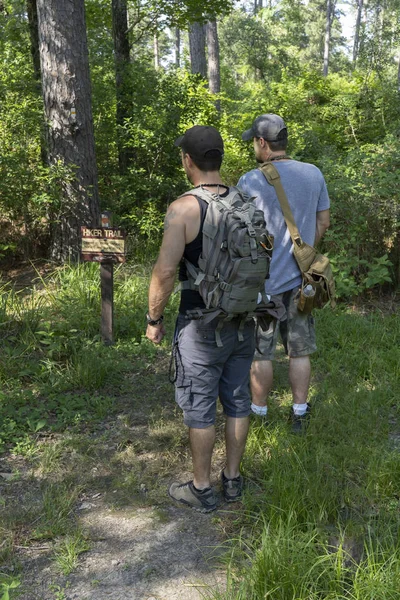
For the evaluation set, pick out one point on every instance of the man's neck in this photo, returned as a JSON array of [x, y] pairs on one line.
[[209, 178], [280, 154]]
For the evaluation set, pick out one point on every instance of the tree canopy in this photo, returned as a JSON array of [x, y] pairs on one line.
[[271, 59]]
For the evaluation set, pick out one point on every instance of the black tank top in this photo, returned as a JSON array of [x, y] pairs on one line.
[[191, 299]]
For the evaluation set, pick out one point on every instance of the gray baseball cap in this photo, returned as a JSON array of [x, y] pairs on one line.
[[266, 126]]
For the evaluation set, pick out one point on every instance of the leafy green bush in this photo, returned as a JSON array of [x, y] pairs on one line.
[[364, 237]]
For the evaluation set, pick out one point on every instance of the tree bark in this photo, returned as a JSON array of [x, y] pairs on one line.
[[66, 90], [328, 23], [197, 44], [398, 80], [122, 62], [156, 52], [357, 30], [177, 47], [34, 37], [214, 77]]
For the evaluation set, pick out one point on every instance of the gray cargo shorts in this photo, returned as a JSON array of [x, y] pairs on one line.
[[297, 332], [205, 371]]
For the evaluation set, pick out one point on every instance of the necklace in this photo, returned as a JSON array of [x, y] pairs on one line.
[[210, 185], [282, 157]]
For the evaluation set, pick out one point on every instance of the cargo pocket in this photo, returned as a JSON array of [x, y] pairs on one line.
[[183, 392], [311, 329]]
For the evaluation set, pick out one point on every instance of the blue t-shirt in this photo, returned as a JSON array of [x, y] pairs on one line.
[[306, 192]]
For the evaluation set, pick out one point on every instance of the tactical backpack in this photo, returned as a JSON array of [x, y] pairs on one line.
[[235, 258]]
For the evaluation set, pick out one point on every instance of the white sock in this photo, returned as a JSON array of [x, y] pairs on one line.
[[259, 410], [300, 409]]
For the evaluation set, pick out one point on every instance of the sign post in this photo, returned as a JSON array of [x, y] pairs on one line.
[[105, 245], [107, 302]]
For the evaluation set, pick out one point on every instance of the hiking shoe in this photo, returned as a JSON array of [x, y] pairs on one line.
[[300, 422], [232, 488], [204, 501]]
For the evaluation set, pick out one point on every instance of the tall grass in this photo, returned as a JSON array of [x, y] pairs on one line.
[[321, 517], [53, 364], [321, 512]]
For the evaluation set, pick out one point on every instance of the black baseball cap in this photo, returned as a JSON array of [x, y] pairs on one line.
[[266, 126], [201, 141]]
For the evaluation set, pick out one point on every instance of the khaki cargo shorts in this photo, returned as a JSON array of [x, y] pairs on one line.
[[297, 332]]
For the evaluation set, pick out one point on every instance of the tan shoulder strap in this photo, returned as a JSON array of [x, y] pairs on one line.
[[271, 174]]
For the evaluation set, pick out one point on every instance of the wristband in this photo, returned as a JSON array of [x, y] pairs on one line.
[[154, 322]]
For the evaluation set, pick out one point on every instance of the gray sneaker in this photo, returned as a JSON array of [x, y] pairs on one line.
[[204, 501], [232, 488]]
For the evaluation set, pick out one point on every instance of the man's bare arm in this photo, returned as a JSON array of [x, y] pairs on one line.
[[323, 223], [164, 271]]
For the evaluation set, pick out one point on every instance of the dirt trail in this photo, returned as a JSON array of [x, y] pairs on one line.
[[135, 555], [141, 548]]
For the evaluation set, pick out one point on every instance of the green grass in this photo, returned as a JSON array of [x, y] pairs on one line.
[[321, 513], [69, 550], [54, 368]]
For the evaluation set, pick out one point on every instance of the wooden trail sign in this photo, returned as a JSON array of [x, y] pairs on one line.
[[105, 245]]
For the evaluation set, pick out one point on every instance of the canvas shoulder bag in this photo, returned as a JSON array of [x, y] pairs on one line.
[[314, 266]]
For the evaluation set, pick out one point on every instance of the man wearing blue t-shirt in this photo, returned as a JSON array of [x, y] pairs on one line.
[[306, 192]]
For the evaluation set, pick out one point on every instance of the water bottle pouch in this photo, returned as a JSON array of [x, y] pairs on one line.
[[305, 303]]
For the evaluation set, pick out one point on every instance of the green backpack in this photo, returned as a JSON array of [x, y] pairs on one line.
[[235, 257]]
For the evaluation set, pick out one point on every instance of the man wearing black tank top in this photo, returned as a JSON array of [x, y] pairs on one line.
[[204, 371]]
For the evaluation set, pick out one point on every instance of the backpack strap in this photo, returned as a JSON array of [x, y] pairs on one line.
[[271, 174], [207, 196]]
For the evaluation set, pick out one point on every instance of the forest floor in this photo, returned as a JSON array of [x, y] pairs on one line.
[[139, 545], [84, 509]]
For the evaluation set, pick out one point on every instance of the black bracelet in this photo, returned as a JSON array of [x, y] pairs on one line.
[[154, 322]]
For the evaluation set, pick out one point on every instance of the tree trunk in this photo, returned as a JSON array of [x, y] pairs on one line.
[[156, 52], [213, 60], [361, 39], [398, 76], [177, 47], [197, 43], [68, 111], [122, 62], [328, 23], [34, 37], [357, 30], [258, 4]]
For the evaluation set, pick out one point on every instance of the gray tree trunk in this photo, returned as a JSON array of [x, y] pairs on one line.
[[122, 62], [357, 30], [177, 47], [214, 77], [398, 84], [68, 111], [156, 52], [328, 23], [34, 37], [197, 44]]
